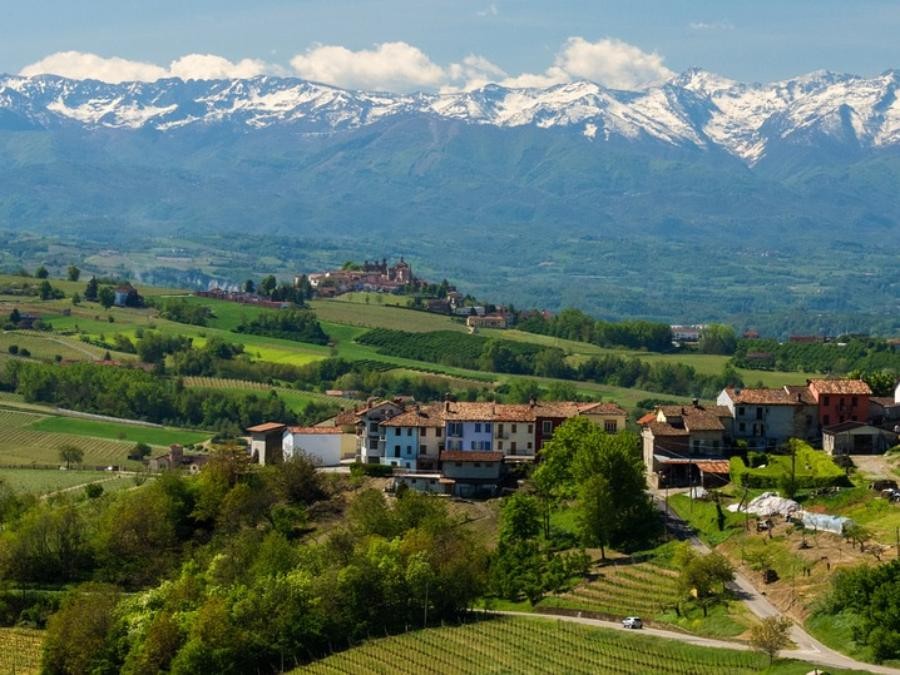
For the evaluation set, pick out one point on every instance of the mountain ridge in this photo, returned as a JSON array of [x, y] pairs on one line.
[[696, 108]]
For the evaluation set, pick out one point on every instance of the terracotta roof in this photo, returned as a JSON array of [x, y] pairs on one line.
[[646, 419], [714, 466], [841, 387], [346, 418], [315, 430], [765, 396], [849, 425], [884, 401], [604, 409], [470, 456], [664, 429], [801, 391], [267, 426], [698, 418], [428, 416]]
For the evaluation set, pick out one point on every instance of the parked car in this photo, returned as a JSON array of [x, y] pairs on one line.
[[632, 622]]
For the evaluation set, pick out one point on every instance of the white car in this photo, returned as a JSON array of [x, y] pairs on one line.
[[632, 622]]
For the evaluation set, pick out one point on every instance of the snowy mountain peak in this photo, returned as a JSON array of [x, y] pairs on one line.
[[695, 108]]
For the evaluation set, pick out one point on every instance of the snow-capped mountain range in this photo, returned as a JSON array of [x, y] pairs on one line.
[[695, 109]]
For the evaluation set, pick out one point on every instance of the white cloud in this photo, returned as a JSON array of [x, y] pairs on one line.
[[83, 66], [490, 10], [612, 63], [390, 66], [711, 25]]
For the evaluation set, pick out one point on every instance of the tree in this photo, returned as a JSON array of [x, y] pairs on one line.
[[77, 633], [41, 272], [73, 273], [91, 290], [45, 290], [717, 339], [597, 512], [268, 284], [771, 635], [107, 297], [520, 518], [93, 490], [249, 286], [140, 450], [15, 316], [71, 454], [76, 299], [703, 578]]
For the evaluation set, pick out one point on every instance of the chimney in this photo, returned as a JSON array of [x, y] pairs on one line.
[[447, 405], [799, 397], [532, 402]]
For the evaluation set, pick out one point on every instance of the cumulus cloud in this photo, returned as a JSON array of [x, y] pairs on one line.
[[83, 66], [390, 66], [490, 10]]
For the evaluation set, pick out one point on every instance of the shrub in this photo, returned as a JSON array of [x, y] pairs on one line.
[[374, 470]]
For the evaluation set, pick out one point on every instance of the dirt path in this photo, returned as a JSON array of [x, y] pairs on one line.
[[808, 648]]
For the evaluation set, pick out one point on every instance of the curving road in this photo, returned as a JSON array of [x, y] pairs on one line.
[[807, 647]]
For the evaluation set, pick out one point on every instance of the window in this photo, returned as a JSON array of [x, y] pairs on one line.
[[477, 427], [500, 430], [487, 427], [408, 449], [530, 428], [609, 426], [454, 429], [742, 426], [457, 464], [529, 445], [423, 431], [826, 420], [472, 447], [759, 413], [547, 427], [373, 427], [396, 451], [439, 432], [512, 447], [477, 465], [853, 402], [409, 431], [514, 428], [499, 445], [423, 449], [826, 400], [716, 446], [740, 410], [695, 445]]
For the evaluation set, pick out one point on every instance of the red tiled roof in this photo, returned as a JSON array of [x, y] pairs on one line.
[[428, 416], [646, 419], [471, 456], [604, 409], [841, 387], [315, 430], [267, 426], [714, 466], [664, 429], [763, 396]]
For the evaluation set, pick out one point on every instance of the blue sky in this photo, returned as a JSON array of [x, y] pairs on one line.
[[750, 41]]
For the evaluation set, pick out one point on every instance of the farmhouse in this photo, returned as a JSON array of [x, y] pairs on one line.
[[766, 418], [325, 446], [176, 459], [265, 442], [840, 400], [856, 438]]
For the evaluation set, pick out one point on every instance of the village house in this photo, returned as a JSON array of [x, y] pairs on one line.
[[176, 459], [486, 321], [856, 438], [325, 446], [266, 442], [767, 417], [471, 474], [370, 276], [690, 333], [686, 445], [414, 439], [840, 400], [370, 435]]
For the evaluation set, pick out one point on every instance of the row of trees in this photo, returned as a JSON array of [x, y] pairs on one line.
[[242, 590], [573, 324]]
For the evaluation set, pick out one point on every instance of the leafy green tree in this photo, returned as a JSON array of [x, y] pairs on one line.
[[520, 518], [71, 454], [141, 450], [106, 296], [268, 284], [15, 316], [702, 577], [93, 490], [76, 298], [91, 291], [76, 635], [717, 339], [41, 272], [771, 635], [73, 273], [45, 290]]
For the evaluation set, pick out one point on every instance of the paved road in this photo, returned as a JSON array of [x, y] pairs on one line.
[[823, 656], [807, 647]]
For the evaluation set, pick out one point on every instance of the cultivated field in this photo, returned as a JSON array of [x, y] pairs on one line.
[[22, 445], [293, 398], [520, 645], [20, 650], [44, 481], [132, 433]]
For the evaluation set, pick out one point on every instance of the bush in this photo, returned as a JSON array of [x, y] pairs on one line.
[[374, 470]]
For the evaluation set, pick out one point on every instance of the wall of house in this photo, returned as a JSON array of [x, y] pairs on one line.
[[474, 436], [401, 446], [514, 438], [424, 483], [709, 443], [371, 447], [471, 470], [542, 435], [616, 422], [322, 448], [762, 425], [837, 408]]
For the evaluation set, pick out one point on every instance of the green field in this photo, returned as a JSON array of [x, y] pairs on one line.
[[20, 650], [293, 398], [382, 316], [132, 433], [522, 645], [43, 481], [21, 444]]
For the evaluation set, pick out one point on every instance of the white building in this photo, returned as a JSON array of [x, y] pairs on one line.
[[326, 446]]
